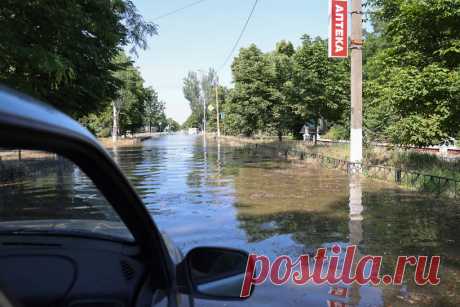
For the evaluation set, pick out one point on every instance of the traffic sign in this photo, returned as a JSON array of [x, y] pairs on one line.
[[338, 28]]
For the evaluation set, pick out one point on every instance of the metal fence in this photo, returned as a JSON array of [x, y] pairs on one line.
[[415, 180], [442, 186]]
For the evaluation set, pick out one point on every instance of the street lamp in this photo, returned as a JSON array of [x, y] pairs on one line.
[[217, 106], [204, 100]]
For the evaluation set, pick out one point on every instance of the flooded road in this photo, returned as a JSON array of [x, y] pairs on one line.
[[218, 195], [226, 196]]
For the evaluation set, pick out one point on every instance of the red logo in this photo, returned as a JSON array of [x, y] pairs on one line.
[[326, 268], [338, 36]]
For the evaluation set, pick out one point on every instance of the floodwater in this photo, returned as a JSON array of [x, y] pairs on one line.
[[213, 194], [217, 195]]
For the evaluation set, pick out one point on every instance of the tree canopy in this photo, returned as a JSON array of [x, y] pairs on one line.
[[279, 91], [251, 100], [70, 54], [321, 84], [200, 93], [412, 89], [63, 51], [192, 92]]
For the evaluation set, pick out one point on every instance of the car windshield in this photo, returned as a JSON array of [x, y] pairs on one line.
[[41, 192]]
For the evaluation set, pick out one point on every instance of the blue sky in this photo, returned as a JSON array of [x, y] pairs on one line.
[[202, 36]]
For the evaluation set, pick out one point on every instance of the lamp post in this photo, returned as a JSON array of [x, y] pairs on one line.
[[204, 101], [217, 106]]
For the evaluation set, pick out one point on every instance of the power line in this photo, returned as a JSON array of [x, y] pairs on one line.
[[240, 36], [178, 10]]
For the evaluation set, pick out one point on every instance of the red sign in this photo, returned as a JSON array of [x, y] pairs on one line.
[[337, 291], [338, 28]]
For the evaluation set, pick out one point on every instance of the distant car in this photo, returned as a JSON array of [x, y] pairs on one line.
[[61, 245], [192, 131], [448, 142]]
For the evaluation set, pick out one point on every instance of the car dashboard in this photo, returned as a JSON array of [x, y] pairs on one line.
[[71, 271]]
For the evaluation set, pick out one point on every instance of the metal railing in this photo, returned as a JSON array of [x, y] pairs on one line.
[[415, 180], [441, 186]]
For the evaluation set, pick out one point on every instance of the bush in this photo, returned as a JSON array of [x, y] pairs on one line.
[[104, 132], [338, 132]]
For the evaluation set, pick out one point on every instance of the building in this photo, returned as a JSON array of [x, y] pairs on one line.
[[192, 131], [309, 130]]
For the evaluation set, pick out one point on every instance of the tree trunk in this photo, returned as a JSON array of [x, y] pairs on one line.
[[316, 131], [280, 136], [116, 112]]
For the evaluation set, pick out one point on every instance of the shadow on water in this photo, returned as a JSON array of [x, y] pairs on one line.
[[211, 194]]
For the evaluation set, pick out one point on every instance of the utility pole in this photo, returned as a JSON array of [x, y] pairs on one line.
[[217, 106], [204, 101], [356, 133], [204, 117]]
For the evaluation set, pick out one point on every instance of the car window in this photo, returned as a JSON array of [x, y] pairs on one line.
[[47, 193]]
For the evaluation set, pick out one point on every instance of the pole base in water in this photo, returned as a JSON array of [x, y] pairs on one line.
[[355, 168], [356, 145]]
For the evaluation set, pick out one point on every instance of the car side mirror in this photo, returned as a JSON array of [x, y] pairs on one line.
[[216, 273]]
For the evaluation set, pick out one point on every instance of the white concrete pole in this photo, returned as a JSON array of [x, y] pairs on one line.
[[217, 107], [356, 124]]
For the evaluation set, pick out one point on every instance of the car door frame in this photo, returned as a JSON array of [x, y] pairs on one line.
[[30, 124]]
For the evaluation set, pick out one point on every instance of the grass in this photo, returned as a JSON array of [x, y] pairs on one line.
[[121, 142], [414, 165], [425, 163]]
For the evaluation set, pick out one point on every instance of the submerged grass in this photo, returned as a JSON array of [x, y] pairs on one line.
[[404, 159], [414, 170], [426, 163]]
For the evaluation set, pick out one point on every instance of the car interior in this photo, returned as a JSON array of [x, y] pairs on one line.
[[62, 244], [55, 270], [75, 233]]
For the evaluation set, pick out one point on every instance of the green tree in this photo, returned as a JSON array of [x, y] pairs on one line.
[[133, 108], [172, 125], [63, 51], [192, 92], [190, 122], [321, 85], [208, 86], [208, 90], [153, 109], [99, 123], [212, 108], [412, 81], [128, 107], [283, 116], [250, 102], [162, 122], [200, 92]]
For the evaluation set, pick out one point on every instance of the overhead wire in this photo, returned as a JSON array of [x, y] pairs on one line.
[[178, 10], [240, 36], [251, 13]]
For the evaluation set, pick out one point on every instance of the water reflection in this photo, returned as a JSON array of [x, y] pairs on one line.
[[355, 229], [356, 208], [344, 295]]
